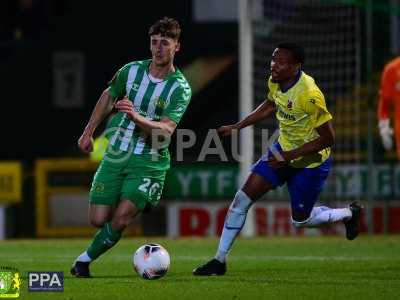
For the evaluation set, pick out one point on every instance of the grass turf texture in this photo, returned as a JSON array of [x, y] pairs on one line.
[[260, 268]]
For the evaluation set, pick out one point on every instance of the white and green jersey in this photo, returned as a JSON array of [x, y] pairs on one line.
[[153, 100]]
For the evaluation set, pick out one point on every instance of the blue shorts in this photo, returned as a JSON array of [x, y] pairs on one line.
[[304, 184]]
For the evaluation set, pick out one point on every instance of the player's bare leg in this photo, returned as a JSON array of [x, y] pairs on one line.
[[100, 214], [107, 236], [124, 215], [253, 189]]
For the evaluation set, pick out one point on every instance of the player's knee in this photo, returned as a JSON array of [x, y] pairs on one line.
[[300, 219], [238, 210], [241, 202], [97, 222], [299, 224]]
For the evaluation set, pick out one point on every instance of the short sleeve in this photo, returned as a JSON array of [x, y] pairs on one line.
[[270, 91], [386, 93], [117, 84], [387, 83], [178, 103], [313, 103]]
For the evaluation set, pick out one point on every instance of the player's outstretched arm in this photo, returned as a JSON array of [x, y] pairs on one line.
[[101, 110], [263, 111], [326, 139]]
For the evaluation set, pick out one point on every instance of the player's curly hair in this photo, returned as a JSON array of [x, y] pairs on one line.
[[167, 27], [296, 50]]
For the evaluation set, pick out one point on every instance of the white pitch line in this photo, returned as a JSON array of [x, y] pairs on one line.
[[292, 258], [119, 257]]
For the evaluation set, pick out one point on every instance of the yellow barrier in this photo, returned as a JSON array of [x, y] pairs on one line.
[[10, 182], [44, 191]]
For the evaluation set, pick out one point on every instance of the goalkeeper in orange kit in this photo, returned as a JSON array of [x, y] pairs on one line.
[[389, 101]]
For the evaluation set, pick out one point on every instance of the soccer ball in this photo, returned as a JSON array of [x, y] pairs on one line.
[[151, 261]]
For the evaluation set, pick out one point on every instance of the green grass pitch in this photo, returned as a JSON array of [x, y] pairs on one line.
[[259, 268]]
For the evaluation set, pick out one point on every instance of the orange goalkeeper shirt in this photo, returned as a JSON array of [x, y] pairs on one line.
[[389, 97]]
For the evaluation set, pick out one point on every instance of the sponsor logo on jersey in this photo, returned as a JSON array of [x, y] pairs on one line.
[[141, 112], [98, 187], [286, 115]]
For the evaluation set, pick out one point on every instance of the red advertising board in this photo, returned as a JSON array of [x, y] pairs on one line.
[[207, 219]]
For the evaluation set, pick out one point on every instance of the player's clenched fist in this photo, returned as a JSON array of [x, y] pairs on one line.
[[125, 105], [85, 143], [226, 130]]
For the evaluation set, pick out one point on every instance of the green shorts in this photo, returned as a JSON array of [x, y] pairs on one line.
[[137, 179]]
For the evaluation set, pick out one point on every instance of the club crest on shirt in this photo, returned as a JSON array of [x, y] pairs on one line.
[[289, 104], [160, 103]]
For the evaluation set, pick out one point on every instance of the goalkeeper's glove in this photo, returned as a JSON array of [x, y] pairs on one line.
[[386, 133]]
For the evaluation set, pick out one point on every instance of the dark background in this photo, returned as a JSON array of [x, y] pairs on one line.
[[109, 34]]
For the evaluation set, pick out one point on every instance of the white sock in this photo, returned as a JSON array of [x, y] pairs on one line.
[[84, 257], [234, 221], [323, 215]]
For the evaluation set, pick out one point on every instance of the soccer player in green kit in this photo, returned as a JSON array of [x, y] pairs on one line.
[[304, 144], [130, 178]]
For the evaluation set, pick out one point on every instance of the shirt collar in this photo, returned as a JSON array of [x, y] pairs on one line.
[[294, 82]]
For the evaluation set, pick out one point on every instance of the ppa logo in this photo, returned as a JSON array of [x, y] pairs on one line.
[[46, 281]]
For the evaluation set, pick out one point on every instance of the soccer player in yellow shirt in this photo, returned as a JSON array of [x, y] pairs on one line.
[[301, 158]]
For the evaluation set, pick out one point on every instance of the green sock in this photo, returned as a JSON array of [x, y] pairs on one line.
[[104, 239]]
